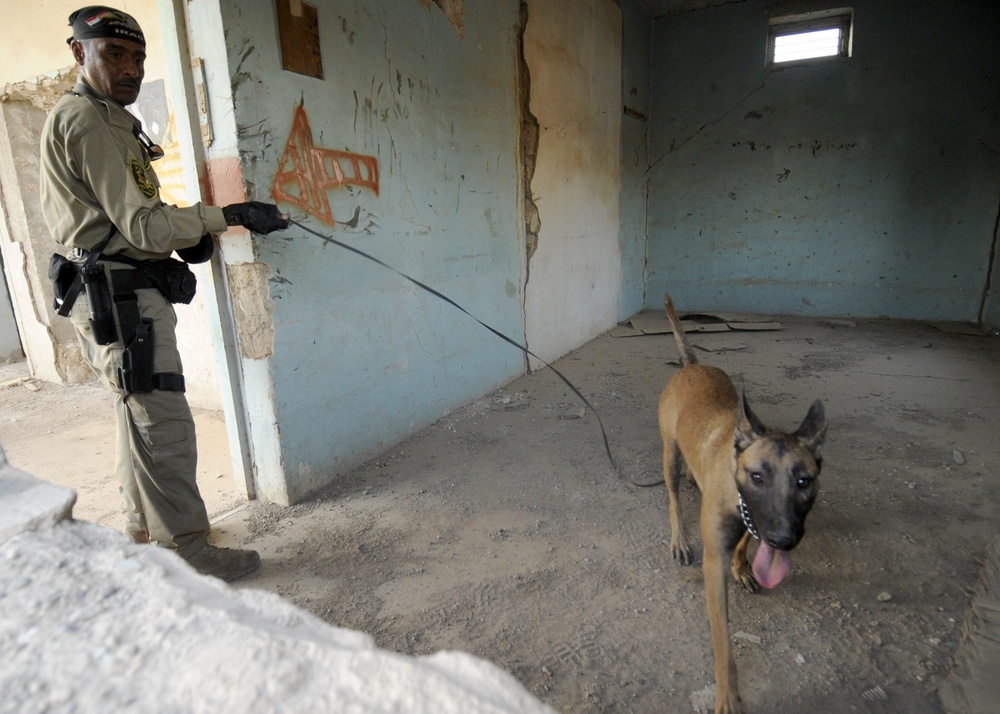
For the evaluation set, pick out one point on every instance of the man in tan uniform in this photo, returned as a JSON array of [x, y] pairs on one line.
[[100, 197]]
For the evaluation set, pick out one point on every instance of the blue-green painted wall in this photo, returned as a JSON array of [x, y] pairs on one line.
[[636, 35], [362, 358], [864, 187]]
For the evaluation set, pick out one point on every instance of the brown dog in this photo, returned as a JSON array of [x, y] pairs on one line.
[[753, 480]]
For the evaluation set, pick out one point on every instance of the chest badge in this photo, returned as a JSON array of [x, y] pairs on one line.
[[142, 179]]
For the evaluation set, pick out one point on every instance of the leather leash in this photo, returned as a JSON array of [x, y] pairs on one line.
[[498, 333]]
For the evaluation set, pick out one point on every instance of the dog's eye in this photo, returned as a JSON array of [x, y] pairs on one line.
[[804, 482], [757, 477]]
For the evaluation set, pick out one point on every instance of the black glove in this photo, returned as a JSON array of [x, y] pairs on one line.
[[256, 216]]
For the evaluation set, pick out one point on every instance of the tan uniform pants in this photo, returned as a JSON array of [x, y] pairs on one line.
[[156, 451]]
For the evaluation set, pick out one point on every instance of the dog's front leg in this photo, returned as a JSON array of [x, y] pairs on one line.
[[741, 566], [716, 557]]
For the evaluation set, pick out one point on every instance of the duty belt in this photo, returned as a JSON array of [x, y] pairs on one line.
[[111, 294]]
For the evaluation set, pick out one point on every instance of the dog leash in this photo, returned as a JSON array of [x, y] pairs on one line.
[[498, 333]]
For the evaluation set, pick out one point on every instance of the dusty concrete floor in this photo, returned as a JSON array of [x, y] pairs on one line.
[[503, 531]]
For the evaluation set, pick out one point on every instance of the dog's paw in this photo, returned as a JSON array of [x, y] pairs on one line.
[[728, 703], [744, 576], [681, 553]]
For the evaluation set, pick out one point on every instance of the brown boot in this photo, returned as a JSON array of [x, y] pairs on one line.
[[227, 564], [139, 536]]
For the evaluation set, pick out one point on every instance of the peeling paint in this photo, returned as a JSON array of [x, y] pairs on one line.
[[454, 10], [222, 182], [43, 92], [529, 141], [253, 308]]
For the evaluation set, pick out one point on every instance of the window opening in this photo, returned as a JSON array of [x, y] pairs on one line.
[[810, 36]]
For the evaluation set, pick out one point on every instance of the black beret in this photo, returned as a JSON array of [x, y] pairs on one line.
[[100, 21]]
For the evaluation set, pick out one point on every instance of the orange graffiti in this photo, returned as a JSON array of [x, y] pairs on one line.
[[306, 173]]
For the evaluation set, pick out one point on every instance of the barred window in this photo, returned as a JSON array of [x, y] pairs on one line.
[[809, 36]]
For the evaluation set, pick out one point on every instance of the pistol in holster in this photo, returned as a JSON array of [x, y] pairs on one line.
[[111, 294], [136, 372], [136, 334]]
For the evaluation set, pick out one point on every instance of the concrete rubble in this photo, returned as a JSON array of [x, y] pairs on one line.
[[90, 621]]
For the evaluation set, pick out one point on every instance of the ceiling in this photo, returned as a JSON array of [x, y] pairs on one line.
[[671, 7]]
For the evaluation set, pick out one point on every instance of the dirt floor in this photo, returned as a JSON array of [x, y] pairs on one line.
[[503, 531]]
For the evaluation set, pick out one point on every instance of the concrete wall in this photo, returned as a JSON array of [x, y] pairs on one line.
[[636, 37], [37, 68], [338, 357], [866, 187], [50, 344], [354, 358], [573, 52], [989, 315], [10, 341], [35, 42]]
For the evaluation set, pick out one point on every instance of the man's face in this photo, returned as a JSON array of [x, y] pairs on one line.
[[112, 66]]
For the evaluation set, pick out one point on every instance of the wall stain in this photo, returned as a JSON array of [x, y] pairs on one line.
[[347, 30], [240, 75], [454, 10]]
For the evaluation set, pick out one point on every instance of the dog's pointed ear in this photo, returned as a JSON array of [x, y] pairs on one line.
[[813, 427], [749, 427]]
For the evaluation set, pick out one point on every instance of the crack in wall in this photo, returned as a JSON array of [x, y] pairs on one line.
[[674, 146], [528, 143], [990, 267]]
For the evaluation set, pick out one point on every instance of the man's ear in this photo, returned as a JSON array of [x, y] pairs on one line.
[[78, 51]]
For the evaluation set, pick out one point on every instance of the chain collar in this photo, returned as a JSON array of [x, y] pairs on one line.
[[747, 518]]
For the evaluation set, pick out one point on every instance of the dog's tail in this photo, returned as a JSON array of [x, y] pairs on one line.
[[687, 352]]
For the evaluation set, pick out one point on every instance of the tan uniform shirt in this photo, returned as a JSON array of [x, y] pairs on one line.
[[94, 172]]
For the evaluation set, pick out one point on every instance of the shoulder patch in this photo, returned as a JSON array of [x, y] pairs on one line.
[[142, 179]]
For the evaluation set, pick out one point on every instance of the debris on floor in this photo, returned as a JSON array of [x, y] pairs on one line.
[[651, 322]]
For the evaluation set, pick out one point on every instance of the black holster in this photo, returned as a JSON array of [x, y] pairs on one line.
[[136, 334], [136, 372], [63, 273], [68, 280]]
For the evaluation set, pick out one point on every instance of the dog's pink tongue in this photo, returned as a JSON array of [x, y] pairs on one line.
[[770, 566]]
